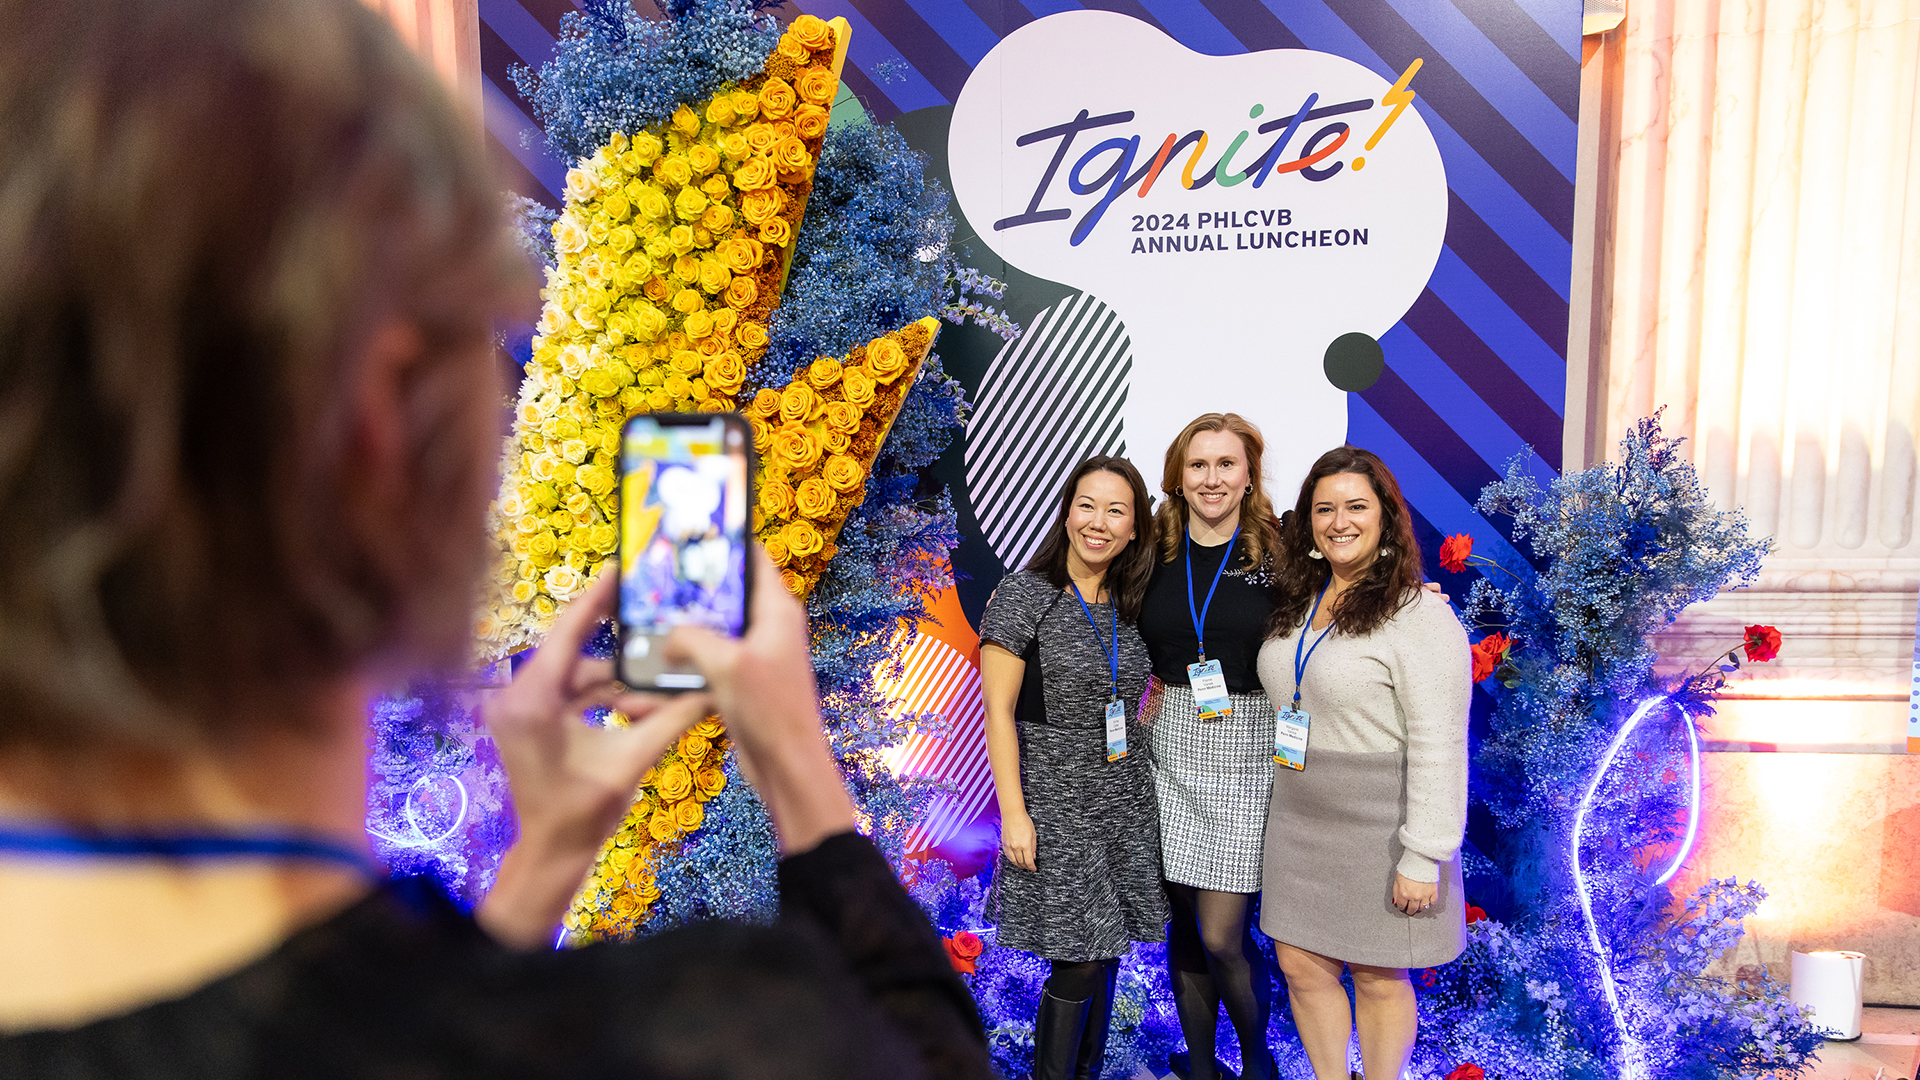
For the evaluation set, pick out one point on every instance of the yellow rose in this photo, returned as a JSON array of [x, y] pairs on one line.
[[777, 99], [693, 747], [602, 538], [523, 591], [777, 231], [714, 275], [814, 499], [654, 204], [761, 137], [816, 85], [734, 145], [710, 727], [568, 237], [685, 121], [755, 174], [793, 583], [776, 499], [751, 336], [790, 155], [742, 291], [703, 158], [616, 207], [791, 48], [742, 254], [544, 545], [803, 539], [746, 105], [680, 239], [759, 206], [843, 473], [843, 417], [709, 781], [766, 403], [646, 148], [689, 815], [720, 110], [648, 321], [725, 373], [673, 781], [689, 204], [674, 170], [886, 360], [688, 301], [823, 372], [717, 218], [810, 121], [698, 325], [857, 386], [799, 404], [811, 31], [564, 582], [776, 546], [795, 448], [662, 827], [647, 891]]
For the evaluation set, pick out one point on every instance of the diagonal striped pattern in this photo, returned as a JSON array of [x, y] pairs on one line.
[[1050, 398], [937, 680]]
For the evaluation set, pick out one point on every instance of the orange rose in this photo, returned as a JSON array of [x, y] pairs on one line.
[[777, 99], [776, 231], [799, 404], [725, 373], [803, 539], [814, 498], [823, 372], [886, 360], [761, 137], [793, 583], [765, 403], [776, 546], [751, 336], [816, 85], [843, 417], [710, 781], [791, 48], [688, 815], [836, 442], [843, 473], [686, 363], [857, 385], [795, 448], [776, 499], [674, 781], [742, 291], [810, 121], [754, 174], [717, 218], [811, 31], [790, 155], [743, 254], [662, 827]]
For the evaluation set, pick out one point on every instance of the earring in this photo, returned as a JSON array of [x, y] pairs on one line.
[[1179, 493], [1249, 489], [1386, 553], [1315, 554]]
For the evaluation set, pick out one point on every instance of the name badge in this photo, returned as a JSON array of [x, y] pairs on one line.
[[1209, 690], [1290, 738], [1116, 731]]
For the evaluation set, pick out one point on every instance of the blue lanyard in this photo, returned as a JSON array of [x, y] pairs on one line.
[[50, 842], [1200, 616], [1299, 662], [1113, 658]]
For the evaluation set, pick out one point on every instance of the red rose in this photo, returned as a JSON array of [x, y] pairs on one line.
[[1763, 643], [1429, 977], [1475, 914], [1489, 653], [968, 944], [1454, 551], [1467, 1070]]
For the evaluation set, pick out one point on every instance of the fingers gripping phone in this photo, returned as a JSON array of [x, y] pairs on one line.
[[685, 495]]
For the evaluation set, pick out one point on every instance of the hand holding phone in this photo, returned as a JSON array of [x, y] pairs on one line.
[[685, 496]]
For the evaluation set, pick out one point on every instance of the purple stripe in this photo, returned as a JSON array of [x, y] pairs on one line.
[[1423, 429], [918, 44], [1496, 140], [1002, 17], [1532, 50], [1486, 375], [548, 12], [880, 108], [1495, 264], [1129, 7], [497, 60], [1255, 26]]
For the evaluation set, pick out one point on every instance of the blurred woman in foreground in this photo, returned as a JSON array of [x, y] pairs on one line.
[[249, 260]]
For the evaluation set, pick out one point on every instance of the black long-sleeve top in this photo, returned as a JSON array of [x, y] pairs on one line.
[[851, 983]]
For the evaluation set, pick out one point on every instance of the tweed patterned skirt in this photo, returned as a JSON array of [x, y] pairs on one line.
[[1213, 778]]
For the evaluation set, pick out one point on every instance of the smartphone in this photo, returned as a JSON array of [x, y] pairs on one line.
[[685, 496]]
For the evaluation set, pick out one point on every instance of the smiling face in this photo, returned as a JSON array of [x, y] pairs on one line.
[[1099, 521], [1346, 522], [1215, 477]]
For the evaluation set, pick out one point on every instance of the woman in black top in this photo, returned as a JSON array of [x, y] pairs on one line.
[[1203, 621], [250, 257], [1062, 669]]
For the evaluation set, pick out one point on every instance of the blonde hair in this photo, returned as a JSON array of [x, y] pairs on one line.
[[1259, 528]]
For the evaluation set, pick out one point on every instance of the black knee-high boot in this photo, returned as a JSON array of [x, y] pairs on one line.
[[1057, 1031], [1093, 1043]]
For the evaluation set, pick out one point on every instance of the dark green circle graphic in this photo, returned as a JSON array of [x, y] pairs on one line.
[[1355, 361]]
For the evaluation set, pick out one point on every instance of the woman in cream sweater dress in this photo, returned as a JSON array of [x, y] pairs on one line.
[[1361, 866]]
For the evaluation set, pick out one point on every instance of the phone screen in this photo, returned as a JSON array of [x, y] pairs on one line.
[[683, 527]]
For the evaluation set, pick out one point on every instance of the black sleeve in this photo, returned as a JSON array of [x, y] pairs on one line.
[[846, 890]]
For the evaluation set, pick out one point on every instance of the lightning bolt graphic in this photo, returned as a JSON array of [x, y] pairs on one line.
[[1399, 97]]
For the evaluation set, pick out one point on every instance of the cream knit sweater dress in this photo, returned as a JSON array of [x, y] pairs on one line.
[[1384, 791]]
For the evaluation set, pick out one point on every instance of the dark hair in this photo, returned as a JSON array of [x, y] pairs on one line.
[[209, 212], [1390, 584], [1126, 576], [1259, 530]]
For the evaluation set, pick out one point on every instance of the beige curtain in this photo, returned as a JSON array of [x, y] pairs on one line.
[[446, 33]]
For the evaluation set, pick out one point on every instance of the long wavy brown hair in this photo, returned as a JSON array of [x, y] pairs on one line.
[[1259, 529], [1126, 576], [1390, 584]]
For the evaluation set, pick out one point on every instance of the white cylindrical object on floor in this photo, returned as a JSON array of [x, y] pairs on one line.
[[1829, 983]]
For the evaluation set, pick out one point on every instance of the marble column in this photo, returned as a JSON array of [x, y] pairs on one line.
[[446, 34]]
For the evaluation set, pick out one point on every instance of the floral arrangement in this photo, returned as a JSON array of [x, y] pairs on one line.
[[668, 259], [813, 438]]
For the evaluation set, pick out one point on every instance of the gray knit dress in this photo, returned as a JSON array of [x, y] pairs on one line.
[[1097, 886], [1384, 791]]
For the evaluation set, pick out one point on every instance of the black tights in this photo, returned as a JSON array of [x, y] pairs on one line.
[[1076, 980], [1212, 961]]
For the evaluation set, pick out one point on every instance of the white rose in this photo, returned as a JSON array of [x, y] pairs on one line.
[[563, 582]]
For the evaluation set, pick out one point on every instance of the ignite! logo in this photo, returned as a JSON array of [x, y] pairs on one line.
[[1239, 213], [1120, 152]]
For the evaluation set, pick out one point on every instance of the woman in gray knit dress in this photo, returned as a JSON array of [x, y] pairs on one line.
[[1370, 675], [1063, 669]]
